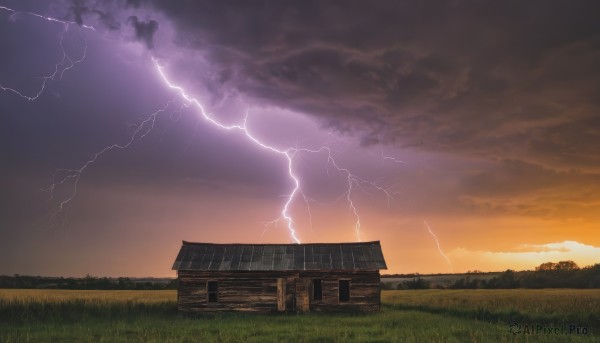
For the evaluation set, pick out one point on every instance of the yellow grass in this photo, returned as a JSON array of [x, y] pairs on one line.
[[60, 295]]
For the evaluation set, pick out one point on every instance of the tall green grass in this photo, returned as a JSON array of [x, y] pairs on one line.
[[514, 305], [139, 316]]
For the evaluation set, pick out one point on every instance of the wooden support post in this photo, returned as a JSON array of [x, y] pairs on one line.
[[281, 294]]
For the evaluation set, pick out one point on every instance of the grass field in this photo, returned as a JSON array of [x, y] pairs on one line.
[[406, 316]]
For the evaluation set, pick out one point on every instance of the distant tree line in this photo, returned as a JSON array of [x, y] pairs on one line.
[[564, 274], [415, 283], [87, 282]]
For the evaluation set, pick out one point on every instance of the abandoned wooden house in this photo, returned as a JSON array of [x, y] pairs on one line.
[[279, 277]]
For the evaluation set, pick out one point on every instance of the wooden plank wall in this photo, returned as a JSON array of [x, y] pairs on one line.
[[254, 291], [238, 291], [364, 291], [303, 294]]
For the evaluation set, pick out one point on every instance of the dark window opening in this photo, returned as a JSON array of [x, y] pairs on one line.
[[317, 290], [213, 291], [344, 290]]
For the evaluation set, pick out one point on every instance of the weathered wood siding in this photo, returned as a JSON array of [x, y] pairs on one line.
[[255, 291], [238, 291], [365, 291], [303, 294]]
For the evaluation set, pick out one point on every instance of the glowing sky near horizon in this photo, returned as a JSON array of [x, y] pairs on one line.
[[486, 133]]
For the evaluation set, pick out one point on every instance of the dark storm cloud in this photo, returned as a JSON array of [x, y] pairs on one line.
[[133, 3], [78, 9], [107, 12], [514, 83], [144, 30], [511, 178], [108, 20], [517, 187], [487, 78], [506, 91]]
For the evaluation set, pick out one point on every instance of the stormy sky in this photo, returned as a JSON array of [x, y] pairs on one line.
[[479, 118]]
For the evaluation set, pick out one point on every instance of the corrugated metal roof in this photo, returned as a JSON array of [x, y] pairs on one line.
[[310, 256]]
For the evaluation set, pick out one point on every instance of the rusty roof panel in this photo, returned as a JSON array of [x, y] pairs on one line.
[[312, 256]]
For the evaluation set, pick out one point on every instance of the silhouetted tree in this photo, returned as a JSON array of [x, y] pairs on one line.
[[546, 266], [416, 283], [566, 265]]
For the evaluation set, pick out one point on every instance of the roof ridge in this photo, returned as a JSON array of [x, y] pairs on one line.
[[184, 242]]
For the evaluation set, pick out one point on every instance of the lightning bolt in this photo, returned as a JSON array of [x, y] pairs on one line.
[[353, 181], [61, 67], [71, 177], [63, 177], [47, 18], [437, 241], [390, 158], [288, 154]]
